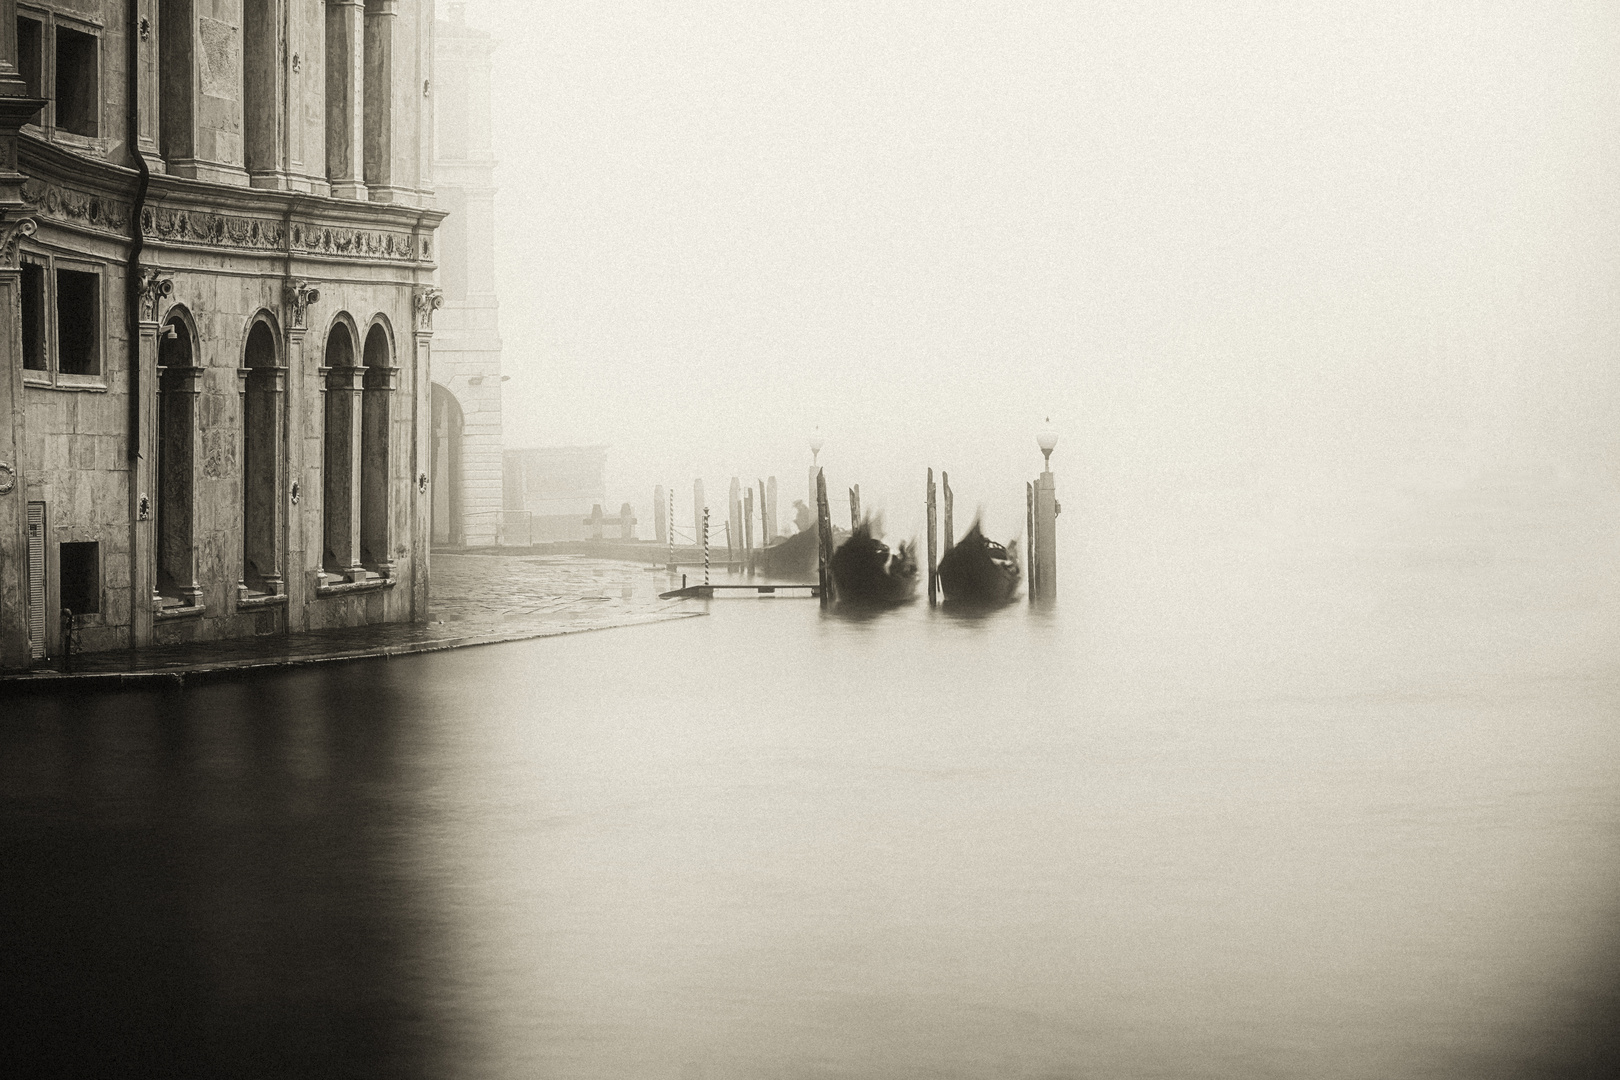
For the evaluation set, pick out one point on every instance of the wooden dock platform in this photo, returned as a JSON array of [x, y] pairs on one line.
[[706, 592]]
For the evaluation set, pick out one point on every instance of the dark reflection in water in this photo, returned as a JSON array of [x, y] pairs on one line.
[[213, 883], [1200, 820]]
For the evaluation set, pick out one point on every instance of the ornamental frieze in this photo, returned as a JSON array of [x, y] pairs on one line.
[[186, 225], [220, 230], [65, 204], [332, 241]]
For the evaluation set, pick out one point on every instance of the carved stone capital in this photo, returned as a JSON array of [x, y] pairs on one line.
[[428, 300], [11, 238], [299, 296], [153, 288]]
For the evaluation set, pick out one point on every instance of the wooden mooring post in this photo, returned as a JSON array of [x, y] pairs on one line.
[[950, 527], [748, 528], [824, 537], [660, 518], [854, 507], [671, 517], [933, 544], [1029, 539]]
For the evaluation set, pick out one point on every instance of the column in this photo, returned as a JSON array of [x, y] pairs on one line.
[[376, 467], [344, 416], [177, 508], [382, 35], [345, 97], [265, 58], [266, 506]]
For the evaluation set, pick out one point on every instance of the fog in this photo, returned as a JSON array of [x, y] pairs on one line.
[[1309, 249]]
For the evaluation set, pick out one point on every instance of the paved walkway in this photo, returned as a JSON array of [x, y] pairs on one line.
[[476, 600]]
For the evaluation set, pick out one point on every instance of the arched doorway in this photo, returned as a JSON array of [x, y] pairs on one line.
[[446, 465]]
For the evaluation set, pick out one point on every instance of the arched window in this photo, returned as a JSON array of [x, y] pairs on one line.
[[341, 509], [176, 463], [376, 509], [262, 462]]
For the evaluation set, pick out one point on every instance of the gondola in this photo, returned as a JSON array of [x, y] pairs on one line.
[[790, 557], [866, 572], [978, 570]]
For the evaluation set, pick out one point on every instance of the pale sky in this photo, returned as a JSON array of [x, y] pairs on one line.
[[1213, 241]]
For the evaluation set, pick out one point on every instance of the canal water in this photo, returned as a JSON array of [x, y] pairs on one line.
[[1235, 808]]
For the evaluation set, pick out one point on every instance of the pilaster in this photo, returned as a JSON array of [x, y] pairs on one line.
[[152, 288], [297, 296], [13, 488]]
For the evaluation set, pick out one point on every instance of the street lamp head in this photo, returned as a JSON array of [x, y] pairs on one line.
[[1047, 441]]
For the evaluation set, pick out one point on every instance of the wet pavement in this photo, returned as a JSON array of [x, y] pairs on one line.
[[476, 600]]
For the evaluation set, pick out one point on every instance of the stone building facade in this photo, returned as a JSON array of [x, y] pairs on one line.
[[466, 454], [217, 241]]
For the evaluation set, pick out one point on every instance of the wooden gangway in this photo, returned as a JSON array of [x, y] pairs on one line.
[[706, 592]]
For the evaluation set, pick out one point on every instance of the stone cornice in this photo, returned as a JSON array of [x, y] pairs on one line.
[[94, 196]]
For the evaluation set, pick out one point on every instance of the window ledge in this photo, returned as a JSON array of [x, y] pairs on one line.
[[177, 611], [343, 588], [93, 384], [269, 600]]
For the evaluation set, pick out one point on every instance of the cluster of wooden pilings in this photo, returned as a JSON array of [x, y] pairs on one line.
[[736, 532], [1040, 531]]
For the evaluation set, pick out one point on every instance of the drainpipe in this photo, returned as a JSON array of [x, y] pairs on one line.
[[140, 626], [132, 272]]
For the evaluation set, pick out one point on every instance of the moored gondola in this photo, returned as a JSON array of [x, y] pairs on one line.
[[978, 570], [866, 572]]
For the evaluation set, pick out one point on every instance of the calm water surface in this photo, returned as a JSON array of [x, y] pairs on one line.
[[1314, 817]]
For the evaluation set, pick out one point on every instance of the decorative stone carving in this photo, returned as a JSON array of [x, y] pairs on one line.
[[299, 296], [65, 204], [428, 300], [11, 237], [153, 287], [329, 241], [8, 478], [201, 227]]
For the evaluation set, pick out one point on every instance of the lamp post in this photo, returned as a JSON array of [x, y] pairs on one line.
[[816, 443], [1043, 561]]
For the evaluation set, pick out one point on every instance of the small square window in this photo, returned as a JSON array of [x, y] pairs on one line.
[[77, 85], [81, 577], [30, 53], [33, 317], [78, 323]]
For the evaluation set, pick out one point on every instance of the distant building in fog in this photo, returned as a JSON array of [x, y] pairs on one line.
[[550, 492], [466, 397], [210, 384]]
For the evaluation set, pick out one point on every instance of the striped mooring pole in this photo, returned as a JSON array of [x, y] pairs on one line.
[[705, 545], [670, 518]]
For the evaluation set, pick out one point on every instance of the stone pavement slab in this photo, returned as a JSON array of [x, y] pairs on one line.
[[476, 600]]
